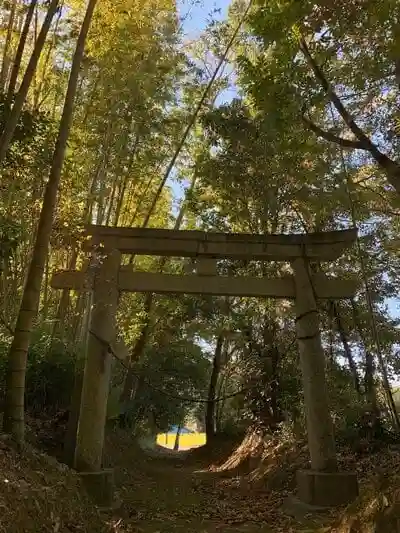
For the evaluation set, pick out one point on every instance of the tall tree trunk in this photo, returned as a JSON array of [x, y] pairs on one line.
[[178, 434], [140, 344], [130, 378], [275, 410], [46, 283], [15, 388], [111, 201], [124, 181], [65, 296], [210, 410], [7, 45], [15, 114], [270, 353], [78, 318], [346, 347], [125, 418], [369, 375], [102, 175], [58, 96], [369, 381], [223, 379], [36, 105], [20, 51], [120, 198], [63, 303], [219, 409]]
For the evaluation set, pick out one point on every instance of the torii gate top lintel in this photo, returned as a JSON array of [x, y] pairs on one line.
[[206, 248], [186, 243]]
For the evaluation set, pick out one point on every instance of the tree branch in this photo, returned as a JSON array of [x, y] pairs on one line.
[[391, 168], [347, 118], [331, 137]]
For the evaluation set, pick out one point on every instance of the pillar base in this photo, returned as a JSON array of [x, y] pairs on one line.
[[100, 486], [326, 489], [294, 507]]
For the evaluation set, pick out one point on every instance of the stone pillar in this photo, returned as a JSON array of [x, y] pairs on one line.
[[312, 359], [96, 379]]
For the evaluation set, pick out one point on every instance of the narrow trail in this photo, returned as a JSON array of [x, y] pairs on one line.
[[171, 493]]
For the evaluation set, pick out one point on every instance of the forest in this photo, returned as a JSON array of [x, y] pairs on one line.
[[281, 118]]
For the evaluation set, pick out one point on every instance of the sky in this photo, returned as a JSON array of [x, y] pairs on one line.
[[196, 13]]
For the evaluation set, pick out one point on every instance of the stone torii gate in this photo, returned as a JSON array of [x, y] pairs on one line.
[[322, 485]]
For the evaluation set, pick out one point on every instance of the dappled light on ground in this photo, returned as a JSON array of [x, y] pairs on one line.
[[237, 491]]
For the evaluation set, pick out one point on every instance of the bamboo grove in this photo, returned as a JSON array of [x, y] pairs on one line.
[[279, 119]]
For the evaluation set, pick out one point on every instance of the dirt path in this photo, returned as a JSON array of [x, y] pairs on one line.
[[170, 494]]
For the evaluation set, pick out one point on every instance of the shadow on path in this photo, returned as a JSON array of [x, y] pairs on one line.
[[165, 491]]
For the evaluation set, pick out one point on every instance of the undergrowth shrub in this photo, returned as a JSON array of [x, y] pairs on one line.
[[49, 375]]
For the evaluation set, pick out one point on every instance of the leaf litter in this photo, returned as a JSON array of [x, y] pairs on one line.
[[239, 492]]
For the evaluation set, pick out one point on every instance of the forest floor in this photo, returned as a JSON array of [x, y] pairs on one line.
[[176, 494], [234, 489], [242, 488]]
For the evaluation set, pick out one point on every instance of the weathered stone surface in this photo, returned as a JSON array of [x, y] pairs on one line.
[[321, 442], [206, 266], [206, 283], [96, 377], [293, 506], [186, 243], [100, 486], [326, 489]]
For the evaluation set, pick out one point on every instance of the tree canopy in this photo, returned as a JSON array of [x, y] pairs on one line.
[[308, 142]]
